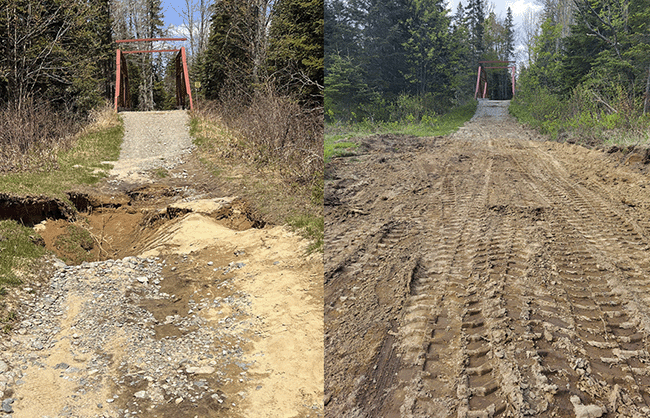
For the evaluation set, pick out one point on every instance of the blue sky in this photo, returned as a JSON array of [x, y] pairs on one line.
[[171, 16]]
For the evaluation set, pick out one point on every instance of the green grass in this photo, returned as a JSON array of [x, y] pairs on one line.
[[17, 251], [311, 227], [339, 146], [340, 139], [161, 173], [80, 165], [75, 244]]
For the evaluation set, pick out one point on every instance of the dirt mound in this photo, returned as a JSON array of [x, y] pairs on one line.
[[486, 275]]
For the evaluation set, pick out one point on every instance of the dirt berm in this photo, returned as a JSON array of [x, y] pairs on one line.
[[486, 274]]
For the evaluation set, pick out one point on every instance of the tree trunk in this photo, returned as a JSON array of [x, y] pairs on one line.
[[646, 101]]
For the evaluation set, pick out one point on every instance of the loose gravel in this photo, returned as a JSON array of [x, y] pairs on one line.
[[492, 109], [152, 140], [88, 313]]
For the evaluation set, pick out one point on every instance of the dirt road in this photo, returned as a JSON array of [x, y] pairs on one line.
[[187, 304], [486, 274]]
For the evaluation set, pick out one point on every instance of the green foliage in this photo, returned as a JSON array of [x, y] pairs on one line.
[[311, 227], [587, 86], [340, 138], [296, 46], [74, 245], [338, 146], [228, 56], [345, 88], [58, 50], [17, 249], [427, 48]]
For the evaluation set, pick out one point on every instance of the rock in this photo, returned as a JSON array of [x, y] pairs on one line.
[[143, 279], [141, 394], [200, 370], [3, 366], [6, 405], [586, 411]]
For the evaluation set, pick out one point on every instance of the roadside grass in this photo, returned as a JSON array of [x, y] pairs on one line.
[[579, 119], [274, 192], [78, 165], [18, 250], [340, 138]]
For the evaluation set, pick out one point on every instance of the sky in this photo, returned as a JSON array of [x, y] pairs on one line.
[[518, 7], [171, 16]]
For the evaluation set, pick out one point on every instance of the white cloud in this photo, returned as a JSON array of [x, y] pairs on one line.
[[520, 7]]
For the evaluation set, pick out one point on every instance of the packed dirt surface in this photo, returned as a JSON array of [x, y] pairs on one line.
[[486, 274], [173, 299]]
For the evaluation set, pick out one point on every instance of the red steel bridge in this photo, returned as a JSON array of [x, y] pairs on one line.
[[482, 79], [183, 91]]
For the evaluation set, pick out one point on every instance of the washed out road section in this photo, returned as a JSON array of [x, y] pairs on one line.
[[191, 305]]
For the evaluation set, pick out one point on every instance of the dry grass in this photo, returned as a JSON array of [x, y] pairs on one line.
[[102, 119], [271, 130], [33, 135], [271, 152]]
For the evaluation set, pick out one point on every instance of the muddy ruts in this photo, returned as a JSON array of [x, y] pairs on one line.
[[502, 287]]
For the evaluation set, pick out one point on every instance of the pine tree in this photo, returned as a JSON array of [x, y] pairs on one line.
[[476, 19], [384, 41], [54, 51], [296, 46], [509, 42], [427, 47], [229, 57]]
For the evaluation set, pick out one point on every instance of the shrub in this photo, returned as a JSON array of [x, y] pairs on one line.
[[272, 130], [32, 134]]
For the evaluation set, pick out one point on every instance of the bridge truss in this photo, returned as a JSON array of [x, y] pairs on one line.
[[122, 88], [482, 80]]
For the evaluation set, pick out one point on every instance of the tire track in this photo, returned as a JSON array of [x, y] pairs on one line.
[[483, 281]]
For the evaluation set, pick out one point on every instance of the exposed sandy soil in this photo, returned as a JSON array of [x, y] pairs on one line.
[[198, 226], [486, 274]]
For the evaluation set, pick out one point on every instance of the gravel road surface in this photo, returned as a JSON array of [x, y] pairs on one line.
[[152, 140]]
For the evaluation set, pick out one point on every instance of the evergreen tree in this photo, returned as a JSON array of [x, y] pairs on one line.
[[228, 57], [509, 41], [461, 59], [427, 50], [384, 42], [296, 46], [55, 50], [341, 31], [476, 19], [345, 87]]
